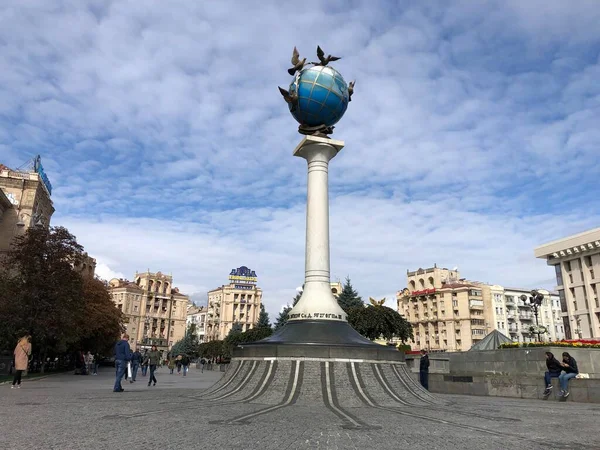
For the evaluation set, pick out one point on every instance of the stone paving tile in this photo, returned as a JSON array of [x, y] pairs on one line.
[[72, 412]]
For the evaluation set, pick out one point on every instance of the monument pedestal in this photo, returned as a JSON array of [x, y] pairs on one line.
[[317, 357]]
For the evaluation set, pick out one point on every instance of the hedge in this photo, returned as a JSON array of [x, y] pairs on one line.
[[570, 344]]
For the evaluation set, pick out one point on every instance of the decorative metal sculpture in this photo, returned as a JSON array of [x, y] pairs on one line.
[[318, 96], [377, 302]]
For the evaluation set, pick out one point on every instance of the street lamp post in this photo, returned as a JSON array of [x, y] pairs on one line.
[[535, 300]]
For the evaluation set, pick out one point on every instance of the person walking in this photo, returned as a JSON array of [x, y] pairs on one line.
[[185, 362], [122, 357], [144, 365], [171, 365], [152, 359], [202, 364], [178, 363], [21, 353], [95, 363], [89, 361], [554, 369], [136, 360], [569, 365], [424, 370]]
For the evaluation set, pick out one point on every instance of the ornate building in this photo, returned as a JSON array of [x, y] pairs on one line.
[[239, 301], [155, 311], [449, 313], [24, 201], [576, 262]]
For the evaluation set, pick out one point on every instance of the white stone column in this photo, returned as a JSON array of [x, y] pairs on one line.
[[317, 302]]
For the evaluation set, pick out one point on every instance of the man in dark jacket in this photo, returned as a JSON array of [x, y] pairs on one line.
[[569, 365], [122, 357], [554, 370], [185, 362], [424, 370], [136, 360]]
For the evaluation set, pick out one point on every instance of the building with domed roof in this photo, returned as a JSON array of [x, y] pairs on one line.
[[155, 311]]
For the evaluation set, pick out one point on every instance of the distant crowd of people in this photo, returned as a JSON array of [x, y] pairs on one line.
[[127, 361]]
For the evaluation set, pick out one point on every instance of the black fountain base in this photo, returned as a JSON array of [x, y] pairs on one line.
[[318, 339], [316, 363]]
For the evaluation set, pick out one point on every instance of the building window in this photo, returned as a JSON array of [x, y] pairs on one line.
[[455, 303], [559, 279]]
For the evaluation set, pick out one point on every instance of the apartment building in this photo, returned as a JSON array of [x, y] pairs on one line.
[[449, 313], [197, 315], [237, 302], [576, 262], [155, 312]]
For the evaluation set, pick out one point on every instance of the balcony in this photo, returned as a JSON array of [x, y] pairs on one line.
[[511, 316], [155, 341], [525, 317], [510, 301], [476, 304], [520, 304]]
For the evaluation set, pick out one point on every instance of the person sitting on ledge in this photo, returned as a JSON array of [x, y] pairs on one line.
[[554, 370], [569, 365]]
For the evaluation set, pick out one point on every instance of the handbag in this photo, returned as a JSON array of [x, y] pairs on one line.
[[129, 371]]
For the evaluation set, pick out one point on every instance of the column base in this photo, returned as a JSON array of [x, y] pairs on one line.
[[318, 332], [318, 339]]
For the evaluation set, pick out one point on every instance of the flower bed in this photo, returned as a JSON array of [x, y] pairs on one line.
[[580, 343]]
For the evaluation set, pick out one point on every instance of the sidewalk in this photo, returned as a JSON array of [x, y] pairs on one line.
[[105, 379]]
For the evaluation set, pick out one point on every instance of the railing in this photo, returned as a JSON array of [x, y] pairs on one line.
[[475, 303]]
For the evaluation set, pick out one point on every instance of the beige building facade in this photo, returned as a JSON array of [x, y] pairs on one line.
[[576, 262], [446, 312], [24, 201], [449, 313], [197, 315], [237, 302], [155, 311]]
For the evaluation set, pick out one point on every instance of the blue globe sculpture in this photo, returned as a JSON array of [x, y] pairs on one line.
[[322, 96]]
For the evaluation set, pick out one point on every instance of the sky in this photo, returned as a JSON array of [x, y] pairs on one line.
[[472, 136]]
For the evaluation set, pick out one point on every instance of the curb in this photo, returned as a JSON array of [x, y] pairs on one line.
[[32, 379]]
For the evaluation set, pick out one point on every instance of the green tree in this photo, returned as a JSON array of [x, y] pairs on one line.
[[285, 312], [263, 318], [236, 328], [349, 298], [103, 323], [375, 322], [185, 346], [211, 349], [42, 294], [233, 340]]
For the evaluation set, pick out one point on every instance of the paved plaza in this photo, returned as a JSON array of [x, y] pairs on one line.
[[82, 412]]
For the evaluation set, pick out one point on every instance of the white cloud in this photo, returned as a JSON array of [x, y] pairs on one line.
[[472, 136]]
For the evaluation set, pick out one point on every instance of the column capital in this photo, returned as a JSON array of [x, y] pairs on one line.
[[309, 141]]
